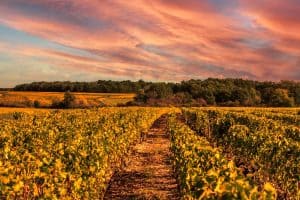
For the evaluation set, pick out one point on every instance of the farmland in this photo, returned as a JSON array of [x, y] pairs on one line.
[[211, 153], [264, 144], [46, 99]]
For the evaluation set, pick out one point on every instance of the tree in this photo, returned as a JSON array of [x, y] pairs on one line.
[[243, 96], [69, 99], [280, 98], [208, 96], [223, 95], [159, 91], [141, 96], [297, 96]]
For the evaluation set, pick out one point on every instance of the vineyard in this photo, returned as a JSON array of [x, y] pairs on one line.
[[215, 153]]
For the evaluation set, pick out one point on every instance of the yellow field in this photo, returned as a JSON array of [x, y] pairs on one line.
[[67, 154], [45, 99], [72, 154], [24, 110]]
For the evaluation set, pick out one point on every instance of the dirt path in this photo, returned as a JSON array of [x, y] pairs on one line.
[[148, 174]]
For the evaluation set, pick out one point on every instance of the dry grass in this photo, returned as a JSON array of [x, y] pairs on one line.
[[45, 99]]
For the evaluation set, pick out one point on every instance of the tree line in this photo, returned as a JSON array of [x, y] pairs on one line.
[[101, 86], [212, 91]]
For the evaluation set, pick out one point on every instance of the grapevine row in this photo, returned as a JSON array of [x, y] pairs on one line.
[[204, 173], [67, 154], [255, 141]]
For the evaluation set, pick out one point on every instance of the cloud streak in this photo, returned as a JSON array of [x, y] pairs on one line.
[[168, 40]]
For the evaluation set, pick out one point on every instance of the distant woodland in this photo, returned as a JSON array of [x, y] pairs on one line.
[[209, 92]]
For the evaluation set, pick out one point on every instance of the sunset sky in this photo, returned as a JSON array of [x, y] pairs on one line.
[[157, 40]]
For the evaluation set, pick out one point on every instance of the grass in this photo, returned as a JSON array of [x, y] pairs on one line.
[[45, 99]]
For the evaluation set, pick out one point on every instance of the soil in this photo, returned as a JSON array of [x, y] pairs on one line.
[[148, 173]]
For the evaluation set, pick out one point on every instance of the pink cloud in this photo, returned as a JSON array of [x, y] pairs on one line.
[[166, 39]]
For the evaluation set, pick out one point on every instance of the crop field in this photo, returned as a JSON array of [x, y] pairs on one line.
[[150, 153], [45, 99], [264, 145]]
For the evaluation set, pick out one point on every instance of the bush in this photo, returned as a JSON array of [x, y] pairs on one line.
[[67, 102], [27, 103], [36, 104], [56, 104]]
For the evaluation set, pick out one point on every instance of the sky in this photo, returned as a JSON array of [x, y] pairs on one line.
[[157, 40]]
